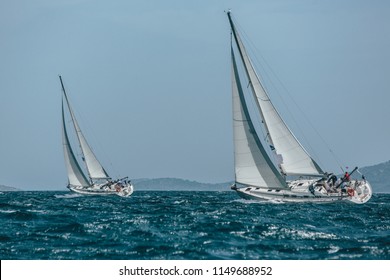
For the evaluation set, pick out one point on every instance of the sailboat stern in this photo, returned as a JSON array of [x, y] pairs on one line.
[[126, 190], [359, 191]]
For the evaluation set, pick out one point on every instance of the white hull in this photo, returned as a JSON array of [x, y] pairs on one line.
[[299, 191], [115, 189]]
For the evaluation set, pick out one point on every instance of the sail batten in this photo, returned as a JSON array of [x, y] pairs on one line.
[[294, 158]]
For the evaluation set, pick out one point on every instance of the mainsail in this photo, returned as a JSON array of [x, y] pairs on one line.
[[295, 159], [94, 168]]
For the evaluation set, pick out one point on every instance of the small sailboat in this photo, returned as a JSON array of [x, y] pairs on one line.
[[98, 181], [277, 167]]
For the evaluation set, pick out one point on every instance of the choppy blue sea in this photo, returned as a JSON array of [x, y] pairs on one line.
[[190, 226]]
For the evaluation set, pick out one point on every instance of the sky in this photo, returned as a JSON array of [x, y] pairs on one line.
[[150, 83]]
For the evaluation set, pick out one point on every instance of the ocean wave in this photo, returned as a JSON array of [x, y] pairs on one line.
[[189, 225], [68, 195]]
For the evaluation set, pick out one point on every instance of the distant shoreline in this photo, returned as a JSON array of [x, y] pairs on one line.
[[378, 176]]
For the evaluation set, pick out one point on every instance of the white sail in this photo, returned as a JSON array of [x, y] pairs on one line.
[[95, 169], [252, 163], [76, 176], [295, 159]]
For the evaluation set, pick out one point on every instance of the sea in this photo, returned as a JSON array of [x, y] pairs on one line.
[[188, 225]]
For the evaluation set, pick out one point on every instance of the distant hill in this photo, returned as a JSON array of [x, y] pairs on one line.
[[174, 184], [378, 176], [8, 189]]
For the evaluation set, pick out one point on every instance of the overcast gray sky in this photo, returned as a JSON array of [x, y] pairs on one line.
[[150, 83]]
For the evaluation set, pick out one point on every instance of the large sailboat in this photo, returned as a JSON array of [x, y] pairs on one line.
[[98, 181], [277, 168]]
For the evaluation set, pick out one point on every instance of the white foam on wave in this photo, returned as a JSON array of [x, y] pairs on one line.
[[68, 195], [333, 249], [298, 234], [37, 211], [7, 211], [254, 201], [179, 201]]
